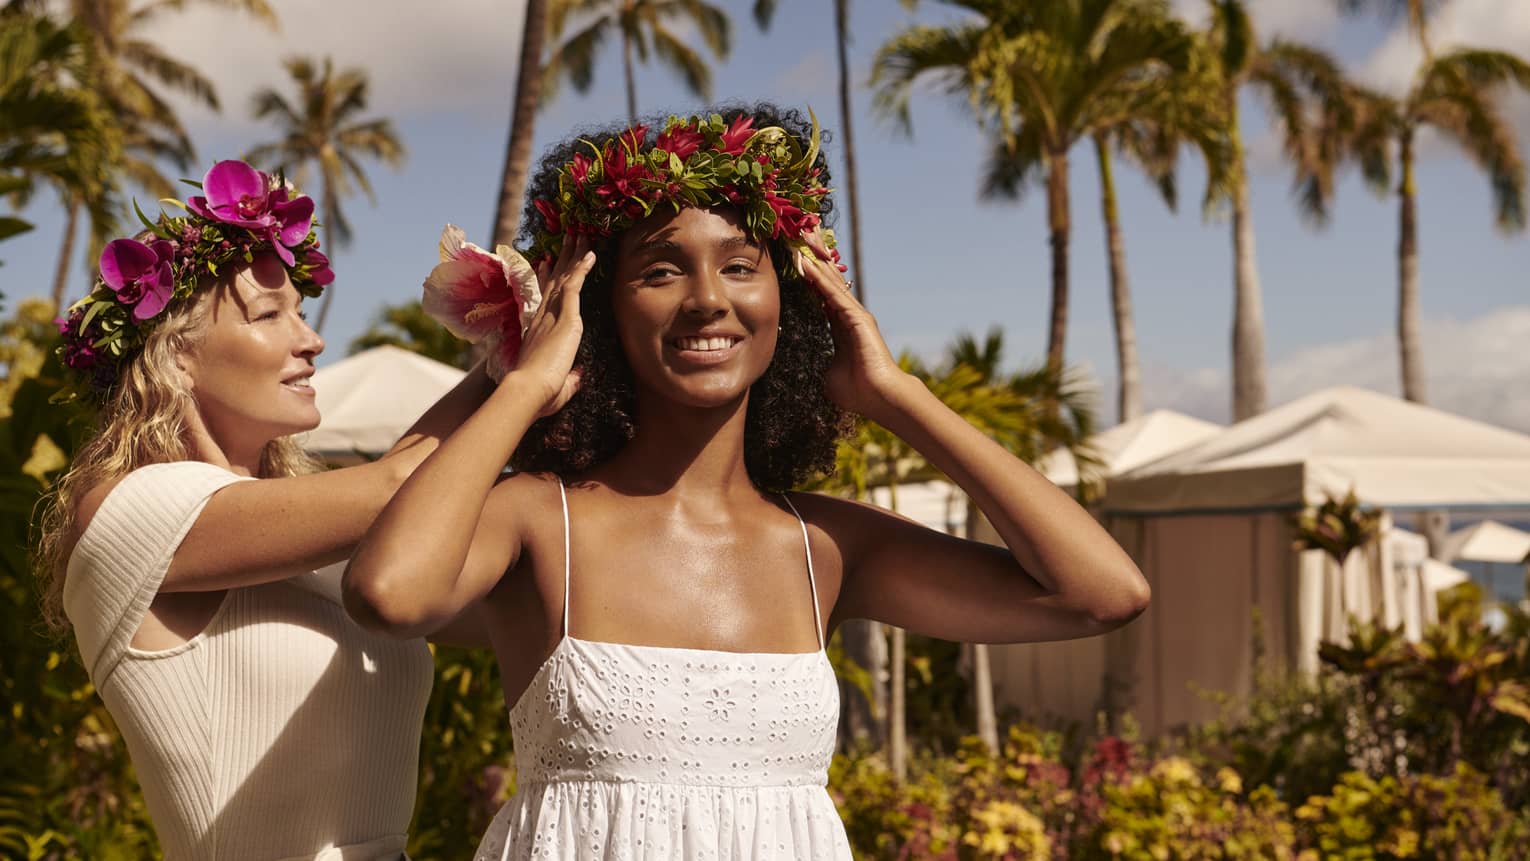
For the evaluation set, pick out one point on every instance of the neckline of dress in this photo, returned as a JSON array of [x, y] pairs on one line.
[[686, 649], [676, 650]]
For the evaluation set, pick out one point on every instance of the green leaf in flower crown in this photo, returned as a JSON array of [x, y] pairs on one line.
[[144, 218]]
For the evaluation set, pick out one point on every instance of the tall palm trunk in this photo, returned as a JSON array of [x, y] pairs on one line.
[[1128, 369], [982, 697], [66, 252], [982, 666], [631, 81], [897, 717], [334, 246], [528, 92], [1059, 226], [842, 38], [1249, 397], [864, 718], [897, 721], [1411, 351]]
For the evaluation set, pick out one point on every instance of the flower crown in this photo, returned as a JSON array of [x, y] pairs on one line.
[[489, 297], [696, 162], [241, 211]]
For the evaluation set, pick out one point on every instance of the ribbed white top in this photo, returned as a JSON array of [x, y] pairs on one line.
[[283, 730]]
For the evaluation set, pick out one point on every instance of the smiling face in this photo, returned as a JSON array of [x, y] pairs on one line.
[[697, 304], [250, 367]]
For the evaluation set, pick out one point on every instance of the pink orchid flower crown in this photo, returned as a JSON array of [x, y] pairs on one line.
[[767, 173], [240, 212]]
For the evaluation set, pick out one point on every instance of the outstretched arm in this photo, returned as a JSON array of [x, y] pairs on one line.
[[286, 526], [1063, 575], [451, 531]]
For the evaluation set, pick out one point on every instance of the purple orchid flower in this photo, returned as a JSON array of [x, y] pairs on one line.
[[240, 195], [319, 273], [139, 274]]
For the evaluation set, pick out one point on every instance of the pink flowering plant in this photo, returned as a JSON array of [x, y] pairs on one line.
[[483, 297], [693, 162], [240, 212]]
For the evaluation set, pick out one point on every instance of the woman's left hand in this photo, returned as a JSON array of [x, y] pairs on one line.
[[864, 375]]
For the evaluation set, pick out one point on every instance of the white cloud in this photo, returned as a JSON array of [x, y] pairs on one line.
[[1305, 20], [445, 55], [805, 79], [1477, 368], [1500, 24]]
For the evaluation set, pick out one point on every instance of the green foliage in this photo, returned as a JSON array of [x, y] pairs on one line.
[[408, 327], [465, 756], [1337, 527], [66, 786], [1458, 815]]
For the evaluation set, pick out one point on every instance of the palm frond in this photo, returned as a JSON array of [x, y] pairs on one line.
[[575, 58], [375, 138], [684, 61], [1012, 166], [172, 73], [1475, 122], [711, 22], [764, 13], [938, 54]]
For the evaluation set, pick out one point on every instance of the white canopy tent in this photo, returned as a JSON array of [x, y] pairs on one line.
[[368, 400], [1488, 541], [1494, 555], [1210, 528], [1131, 444]]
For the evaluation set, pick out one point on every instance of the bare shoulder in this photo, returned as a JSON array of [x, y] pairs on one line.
[[845, 517], [530, 500], [525, 489], [90, 502]]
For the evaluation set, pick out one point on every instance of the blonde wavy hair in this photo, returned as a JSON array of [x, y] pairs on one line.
[[143, 421]]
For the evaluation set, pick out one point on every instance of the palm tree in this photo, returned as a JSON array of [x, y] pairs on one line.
[[1148, 132], [1042, 75], [125, 65], [528, 94], [54, 130], [1456, 94], [644, 26], [1292, 77], [325, 128]]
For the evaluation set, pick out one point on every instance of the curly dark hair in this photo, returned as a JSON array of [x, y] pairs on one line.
[[791, 427]]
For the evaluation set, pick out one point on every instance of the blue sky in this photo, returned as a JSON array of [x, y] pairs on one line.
[[936, 260]]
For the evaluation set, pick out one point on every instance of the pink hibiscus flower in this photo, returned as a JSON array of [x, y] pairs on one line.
[[483, 297]]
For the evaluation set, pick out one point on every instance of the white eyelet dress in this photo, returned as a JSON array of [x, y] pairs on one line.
[[645, 752]]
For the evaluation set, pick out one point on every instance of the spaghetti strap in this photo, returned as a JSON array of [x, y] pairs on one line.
[[567, 562], [807, 549]]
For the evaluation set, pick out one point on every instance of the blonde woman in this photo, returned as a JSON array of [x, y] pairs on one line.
[[183, 543]]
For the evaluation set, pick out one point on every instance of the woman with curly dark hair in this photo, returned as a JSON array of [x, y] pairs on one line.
[[694, 358]]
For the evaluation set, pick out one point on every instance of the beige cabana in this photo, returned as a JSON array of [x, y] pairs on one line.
[[368, 400], [1210, 528]]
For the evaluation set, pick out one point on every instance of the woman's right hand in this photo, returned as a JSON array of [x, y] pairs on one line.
[[551, 342]]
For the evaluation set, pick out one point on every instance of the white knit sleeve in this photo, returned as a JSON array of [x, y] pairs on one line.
[[121, 559]]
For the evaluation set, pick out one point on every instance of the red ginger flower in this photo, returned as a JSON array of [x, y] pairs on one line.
[[681, 140], [737, 135]]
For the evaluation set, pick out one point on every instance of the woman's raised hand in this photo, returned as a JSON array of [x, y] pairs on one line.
[[551, 343], [864, 374]]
